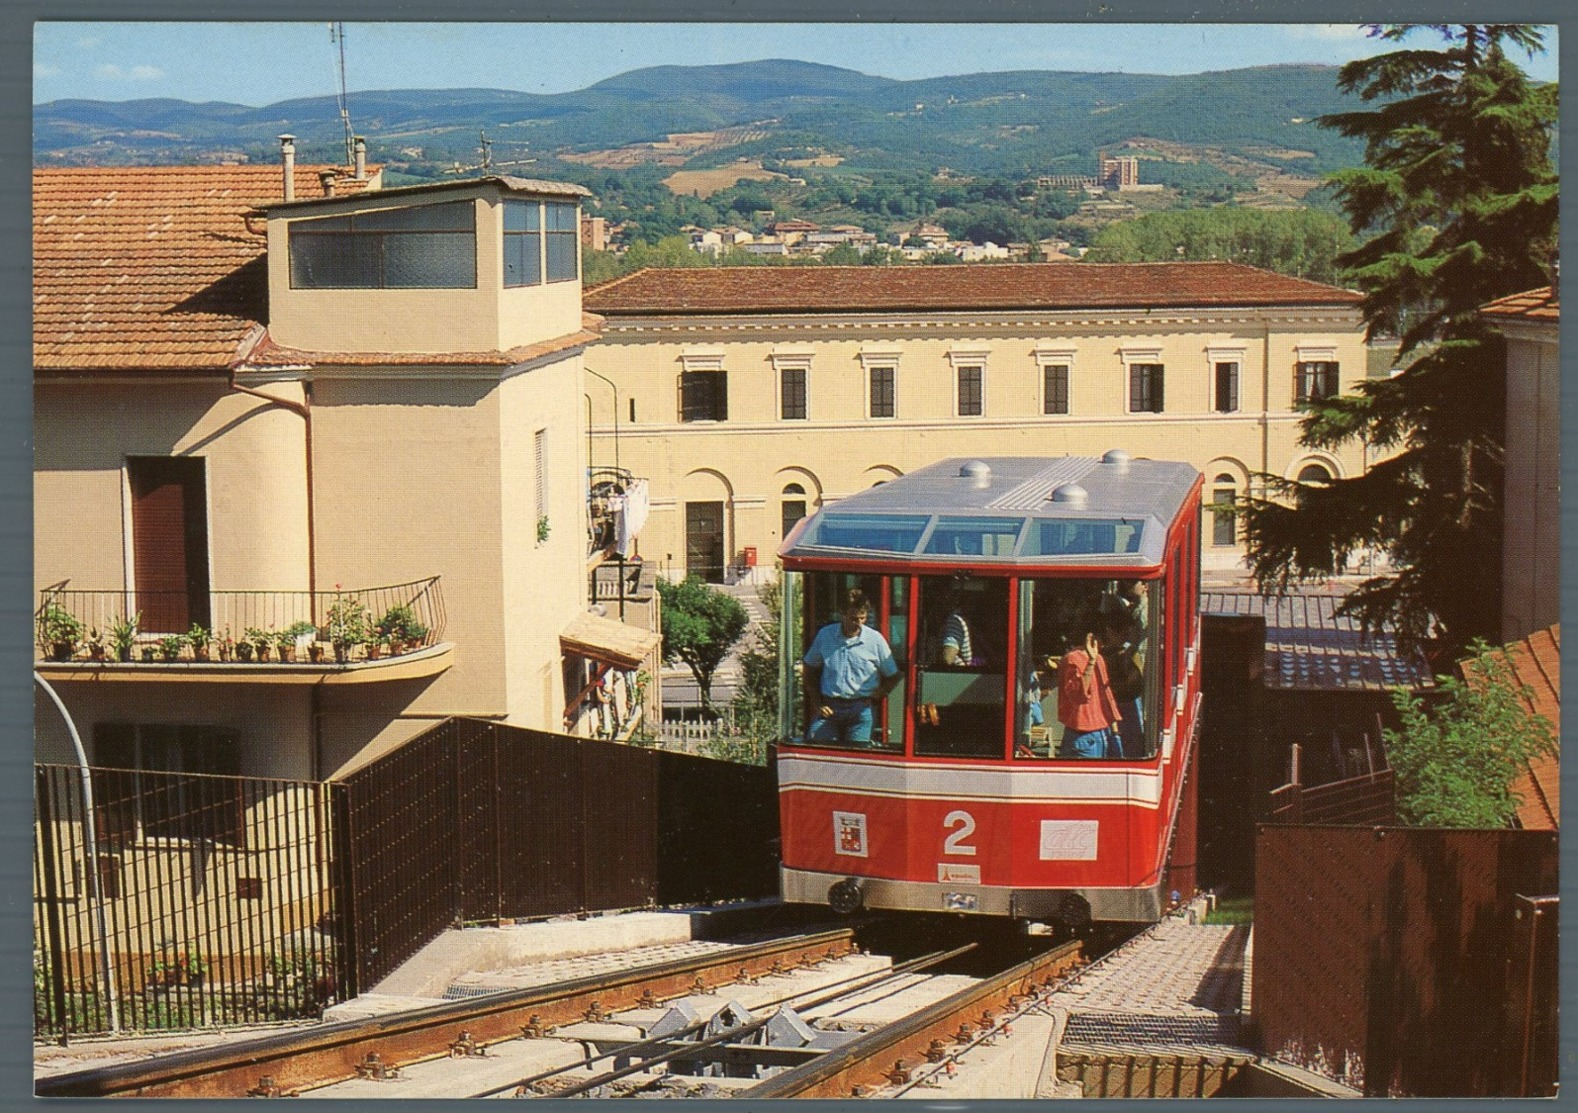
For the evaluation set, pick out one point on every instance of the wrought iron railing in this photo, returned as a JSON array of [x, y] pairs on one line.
[[130, 625]]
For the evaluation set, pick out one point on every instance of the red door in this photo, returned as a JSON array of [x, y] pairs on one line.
[[169, 542]]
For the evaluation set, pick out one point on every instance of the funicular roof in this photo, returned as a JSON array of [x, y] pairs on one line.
[[1008, 510]]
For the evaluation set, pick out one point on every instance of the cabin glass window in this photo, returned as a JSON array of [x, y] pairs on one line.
[[886, 533], [979, 537], [420, 247], [813, 602], [1055, 615], [1083, 536], [564, 242], [961, 666]]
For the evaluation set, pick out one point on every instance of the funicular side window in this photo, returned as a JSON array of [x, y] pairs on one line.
[[1059, 714], [844, 686], [961, 656]]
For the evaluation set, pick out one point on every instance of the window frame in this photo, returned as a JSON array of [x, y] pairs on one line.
[[978, 371], [794, 393], [1055, 389], [709, 386], [891, 373], [1316, 380], [344, 226], [1232, 370], [1147, 387], [529, 240], [561, 237]]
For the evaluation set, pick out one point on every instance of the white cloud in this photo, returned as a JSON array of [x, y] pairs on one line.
[[42, 70], [112, 72], [88, 43]]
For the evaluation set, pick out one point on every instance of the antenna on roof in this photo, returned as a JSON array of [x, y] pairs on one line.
[[337, 37]]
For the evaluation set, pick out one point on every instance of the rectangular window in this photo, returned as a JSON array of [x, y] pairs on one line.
[[1145, 388], [882, 391], [1054, 389], [540, 461], [970, 391], [152, 792], [792, 393], [1317, 379], [422, 247], [704, 396], [169, 541], [564, 242], [1226, 388], [522, 243], [1223, 522]]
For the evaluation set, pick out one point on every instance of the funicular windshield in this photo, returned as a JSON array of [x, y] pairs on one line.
[[970, 665]]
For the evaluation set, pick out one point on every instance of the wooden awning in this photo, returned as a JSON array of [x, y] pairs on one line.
[[604, 639]]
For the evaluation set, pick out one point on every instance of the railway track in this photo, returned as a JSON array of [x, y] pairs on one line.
[[714, 1024]]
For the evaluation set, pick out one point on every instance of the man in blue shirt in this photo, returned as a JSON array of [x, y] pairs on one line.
[[847, 669]]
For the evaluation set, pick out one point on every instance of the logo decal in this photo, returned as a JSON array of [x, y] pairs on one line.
[[849, 834], [1068, 840], [952, 872]]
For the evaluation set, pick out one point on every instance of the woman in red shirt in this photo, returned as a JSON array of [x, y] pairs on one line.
[[1086, 706]]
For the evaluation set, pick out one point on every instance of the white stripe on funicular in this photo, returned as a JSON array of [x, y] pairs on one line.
[[948, 782]]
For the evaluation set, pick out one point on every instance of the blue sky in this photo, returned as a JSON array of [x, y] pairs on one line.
[[260, 63]]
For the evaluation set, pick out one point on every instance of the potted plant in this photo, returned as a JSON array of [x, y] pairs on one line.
[[123, 635], [295, 638], [399, 626], [171, 645], [348, 626], [199, 639], [261, 640], [243, 649], [95, 644], [59, 632], [225, 645]]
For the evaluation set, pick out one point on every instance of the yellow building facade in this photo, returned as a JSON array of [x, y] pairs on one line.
[[751, 396]]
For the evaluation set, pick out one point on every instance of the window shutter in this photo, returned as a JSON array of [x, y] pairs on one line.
[[169, 542]]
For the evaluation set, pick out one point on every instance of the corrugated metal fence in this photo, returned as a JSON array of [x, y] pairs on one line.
[[474, 821], [1409, 962]]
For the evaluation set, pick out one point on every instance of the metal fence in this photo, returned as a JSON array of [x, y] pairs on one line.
[[210, 902], [1408, 962], [419, 605], [473, 821]]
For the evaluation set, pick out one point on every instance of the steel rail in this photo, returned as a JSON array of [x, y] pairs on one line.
[[877, 1057], [827, 994], [300, 1060]]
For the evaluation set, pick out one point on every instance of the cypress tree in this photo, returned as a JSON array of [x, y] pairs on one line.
[[1455, 206]]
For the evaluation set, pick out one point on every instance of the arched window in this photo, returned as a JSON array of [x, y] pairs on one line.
[[793, 506], [1315, 474], [1224, 526]]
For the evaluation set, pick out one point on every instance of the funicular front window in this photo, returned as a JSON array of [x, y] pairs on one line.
[[843, 681], [1070, 706]]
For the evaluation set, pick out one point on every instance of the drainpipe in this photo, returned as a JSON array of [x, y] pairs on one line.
[[106, 969], [287, 150]]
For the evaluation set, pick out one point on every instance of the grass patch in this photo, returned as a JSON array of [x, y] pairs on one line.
[[1234, 910]]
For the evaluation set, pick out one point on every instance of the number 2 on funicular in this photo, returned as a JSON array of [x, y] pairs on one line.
[[954, 843]]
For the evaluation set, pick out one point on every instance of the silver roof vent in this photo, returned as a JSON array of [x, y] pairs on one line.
[[1071, 494], [979, 472], [1118, 458]]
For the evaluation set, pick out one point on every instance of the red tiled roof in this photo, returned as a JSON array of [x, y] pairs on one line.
[[1006, 286], [1543, 304], [1536, 663], [152, 267]]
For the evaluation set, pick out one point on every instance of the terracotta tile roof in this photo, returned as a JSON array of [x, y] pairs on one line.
[[1543, 304], [267, 354], [151, 267], [1007, 286], [1308, 647], [1536, 663]]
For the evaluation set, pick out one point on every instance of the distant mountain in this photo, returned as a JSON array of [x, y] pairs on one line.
[[1013, 123]]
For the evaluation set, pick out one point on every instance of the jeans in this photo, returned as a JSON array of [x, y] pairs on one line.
[[850, 722], [1092, 743]]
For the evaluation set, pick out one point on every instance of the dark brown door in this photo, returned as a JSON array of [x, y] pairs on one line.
[[170, 542], [704, 540]]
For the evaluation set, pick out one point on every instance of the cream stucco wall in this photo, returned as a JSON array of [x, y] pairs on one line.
[[746, 460], [1531, 547], [484, 319]]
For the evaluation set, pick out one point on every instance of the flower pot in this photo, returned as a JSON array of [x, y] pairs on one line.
[[123, 653], [147, 652], [341, 653], [262, 651], [315, 653], [244, 651], [200, 653], [61, 651], [287, 654], [96, 652], [375, 651]]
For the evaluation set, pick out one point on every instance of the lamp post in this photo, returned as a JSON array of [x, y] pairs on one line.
[[106, 968]]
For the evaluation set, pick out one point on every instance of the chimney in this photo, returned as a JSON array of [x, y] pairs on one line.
[[361, 159], [326, 178], [287, 149]]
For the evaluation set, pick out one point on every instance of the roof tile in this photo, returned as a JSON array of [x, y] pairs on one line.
[[1543, 304], [1536, 663], [1003, 286]]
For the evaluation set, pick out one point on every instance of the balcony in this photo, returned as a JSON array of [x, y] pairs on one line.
[[346, 636], [617, 505]]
